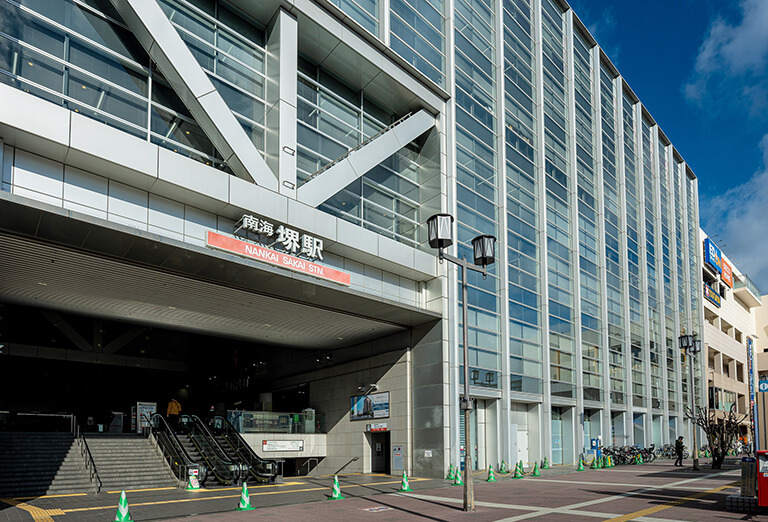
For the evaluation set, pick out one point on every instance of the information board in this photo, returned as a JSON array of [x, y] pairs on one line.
[[282, 445]]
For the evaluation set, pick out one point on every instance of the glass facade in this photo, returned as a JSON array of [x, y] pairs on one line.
[[333, 118], [522, 187], [477, 192], [80, 55]]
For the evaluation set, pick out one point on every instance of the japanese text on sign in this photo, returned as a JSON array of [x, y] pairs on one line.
[[290, 240]]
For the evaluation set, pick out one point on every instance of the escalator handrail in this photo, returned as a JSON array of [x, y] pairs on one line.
[[212, 440], [177, 452], [238, 471], [242, 445]]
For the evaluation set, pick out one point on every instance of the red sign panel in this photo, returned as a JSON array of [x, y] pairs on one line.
[[727, 274], [267, 255]]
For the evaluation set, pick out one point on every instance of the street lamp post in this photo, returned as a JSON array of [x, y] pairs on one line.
[[692, 346], [440, 229]]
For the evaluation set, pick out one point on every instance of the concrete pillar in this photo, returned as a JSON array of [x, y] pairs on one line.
[[282, 64]]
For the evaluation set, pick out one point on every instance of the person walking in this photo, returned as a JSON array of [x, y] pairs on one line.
[[679, 450], [173, 413]]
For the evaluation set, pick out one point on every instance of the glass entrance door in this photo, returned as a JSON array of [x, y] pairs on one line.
[[557, 435]]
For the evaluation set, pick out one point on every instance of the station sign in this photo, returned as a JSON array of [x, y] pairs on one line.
[[727, 275], [712, 255], [242, 248], [711, 295], [288, 239]]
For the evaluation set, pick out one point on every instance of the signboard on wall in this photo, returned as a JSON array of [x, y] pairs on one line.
[[282, 445], [711, 295], [712, 255], [267, 255], [727, 275], [144, 411], [374, 406]]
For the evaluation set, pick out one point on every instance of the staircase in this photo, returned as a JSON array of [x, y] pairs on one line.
[[35, 464], [128, 462]]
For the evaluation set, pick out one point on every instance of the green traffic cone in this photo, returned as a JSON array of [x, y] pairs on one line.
[[491, 476], [581, 465], [404, 484], [518, 474], [457, 479], [593, 464], [503, 467], [535, 472], [123, 514], [245, 500], [451, 474], [520, 465], [335, 490], [546, 465]]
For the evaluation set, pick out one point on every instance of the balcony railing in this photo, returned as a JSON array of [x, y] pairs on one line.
[[752, 287], [276, 422]]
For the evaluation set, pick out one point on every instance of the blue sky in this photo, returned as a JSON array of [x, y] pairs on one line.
[[700, 67]]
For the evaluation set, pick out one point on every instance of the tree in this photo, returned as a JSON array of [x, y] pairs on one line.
[[721, 433]]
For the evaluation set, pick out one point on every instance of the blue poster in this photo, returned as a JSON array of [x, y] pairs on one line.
[[364, 407]]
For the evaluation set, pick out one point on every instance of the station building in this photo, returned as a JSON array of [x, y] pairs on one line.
[[225, 201]]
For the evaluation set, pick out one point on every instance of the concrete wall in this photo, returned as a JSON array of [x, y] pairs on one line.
[[94, 194], [314, 444], [330, 390], [412, 360], [761, 328]]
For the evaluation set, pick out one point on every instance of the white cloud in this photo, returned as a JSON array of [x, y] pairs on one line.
[[739, 217], [732, 64]]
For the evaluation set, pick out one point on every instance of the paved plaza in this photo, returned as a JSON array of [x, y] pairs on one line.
[[653, 492]]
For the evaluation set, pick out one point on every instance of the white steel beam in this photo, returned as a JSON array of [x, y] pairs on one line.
[[174, 59], [318, 189]]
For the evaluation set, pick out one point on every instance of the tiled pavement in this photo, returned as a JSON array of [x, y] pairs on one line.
[[654, 492]]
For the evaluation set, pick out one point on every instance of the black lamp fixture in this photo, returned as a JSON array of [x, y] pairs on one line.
[[484, 247], [440, 229]]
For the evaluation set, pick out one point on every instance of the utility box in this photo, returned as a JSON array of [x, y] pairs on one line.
[[749, 477], [762, 478]]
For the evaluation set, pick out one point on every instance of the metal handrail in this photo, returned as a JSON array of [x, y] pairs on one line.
[[353, 459], [357, 147], [259, 467], [85, 453], [213, 455], [307, 462], [174, 453]]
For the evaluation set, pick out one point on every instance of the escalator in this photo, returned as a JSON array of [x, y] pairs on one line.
[[182, 464], [201, 446], [233, 444]]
